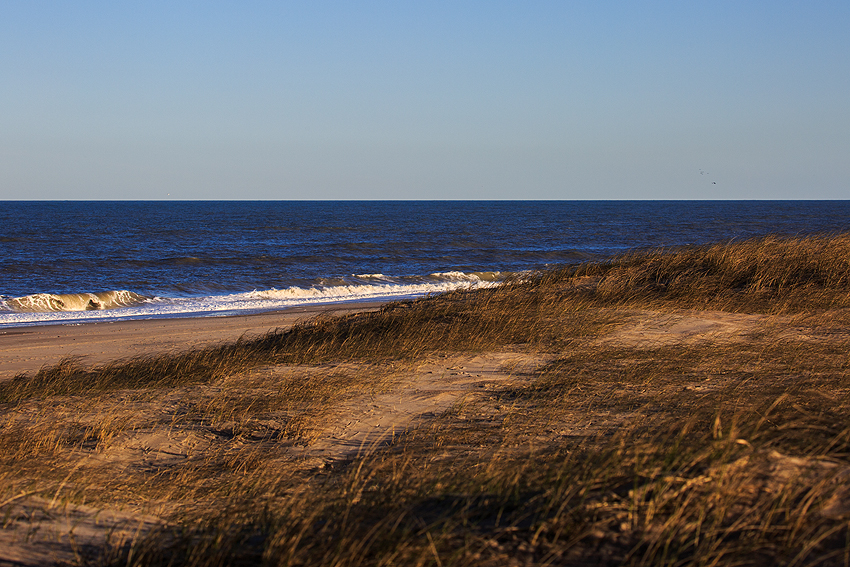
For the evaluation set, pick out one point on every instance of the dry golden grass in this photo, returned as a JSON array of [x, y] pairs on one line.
[[705, 452]]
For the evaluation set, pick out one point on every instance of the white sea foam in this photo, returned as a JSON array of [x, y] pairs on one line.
[[44, 308]]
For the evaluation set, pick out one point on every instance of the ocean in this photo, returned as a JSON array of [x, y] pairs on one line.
[[76, 262]]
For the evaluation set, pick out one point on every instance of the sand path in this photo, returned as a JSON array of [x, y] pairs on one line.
[[650, 329], [368, 423]]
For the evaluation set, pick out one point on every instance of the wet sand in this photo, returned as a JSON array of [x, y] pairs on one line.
[[27, 349]]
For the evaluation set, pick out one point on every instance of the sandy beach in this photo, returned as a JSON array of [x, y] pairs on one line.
[[27, 349]]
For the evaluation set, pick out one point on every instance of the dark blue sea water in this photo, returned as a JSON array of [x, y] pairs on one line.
[[79, 261]]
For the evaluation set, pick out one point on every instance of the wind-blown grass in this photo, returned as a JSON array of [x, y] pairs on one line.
[[699, 453], [766, 274]]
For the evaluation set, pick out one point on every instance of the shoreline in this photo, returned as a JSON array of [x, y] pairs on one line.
[[28, 349]]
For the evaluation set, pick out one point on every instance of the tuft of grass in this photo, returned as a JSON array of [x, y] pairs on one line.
[[763, 274]]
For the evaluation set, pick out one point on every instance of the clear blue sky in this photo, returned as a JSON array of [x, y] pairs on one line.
[[425, 100]]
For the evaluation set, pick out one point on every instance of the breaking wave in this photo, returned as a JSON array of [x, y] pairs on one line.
[[50, 302], [43, 308]]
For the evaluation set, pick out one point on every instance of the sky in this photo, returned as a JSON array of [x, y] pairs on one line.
[[425, 100]]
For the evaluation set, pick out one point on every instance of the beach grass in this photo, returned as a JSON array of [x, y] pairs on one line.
[[630, 445]]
